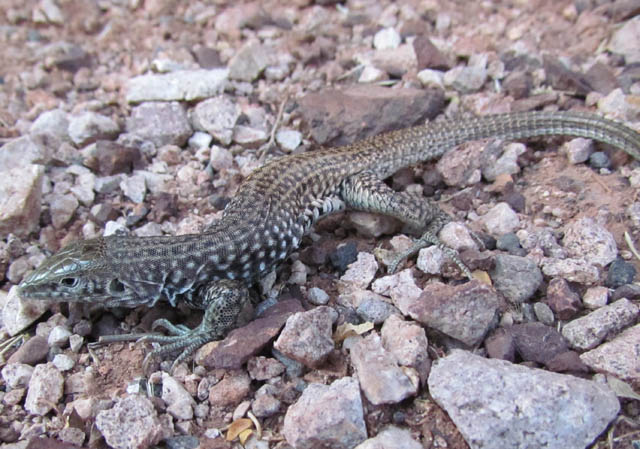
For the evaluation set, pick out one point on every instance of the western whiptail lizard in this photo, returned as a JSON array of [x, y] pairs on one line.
[[267, 218]]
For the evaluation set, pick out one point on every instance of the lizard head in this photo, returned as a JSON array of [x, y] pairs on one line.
[[79, 273]]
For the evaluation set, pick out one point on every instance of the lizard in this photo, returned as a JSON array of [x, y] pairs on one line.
[[266, 219]]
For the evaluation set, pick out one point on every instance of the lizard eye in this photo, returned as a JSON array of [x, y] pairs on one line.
[[69, 282], [115, 287]]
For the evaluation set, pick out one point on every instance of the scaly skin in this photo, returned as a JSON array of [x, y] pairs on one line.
[[271, 212]]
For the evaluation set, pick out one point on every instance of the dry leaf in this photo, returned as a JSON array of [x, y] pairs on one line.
[[237, 427], [347, 330], [244, 435], [482, 276]]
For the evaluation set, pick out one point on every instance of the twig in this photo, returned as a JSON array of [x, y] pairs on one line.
[[274, 129], [632, 248]]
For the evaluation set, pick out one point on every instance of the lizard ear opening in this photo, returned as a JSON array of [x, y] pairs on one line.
[[115, 287]]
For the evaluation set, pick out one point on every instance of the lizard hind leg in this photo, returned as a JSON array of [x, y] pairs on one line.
[[366, 192]]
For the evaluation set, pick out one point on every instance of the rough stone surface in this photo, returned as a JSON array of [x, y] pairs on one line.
[[327, 416], [306, 336], [186, 85], [588, 331], [496, 404], [462, 312], [20, 194], [163, 123], [90, 126], [230, 390], [45, 389], [132, 423], [517, 278], [618, 356], [391, 437], [382, 380], [586, 239]]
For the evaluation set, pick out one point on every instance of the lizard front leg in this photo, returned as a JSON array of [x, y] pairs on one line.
[[224, 302], [366, 192]]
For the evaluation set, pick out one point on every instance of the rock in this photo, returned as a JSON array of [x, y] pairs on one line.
[[249, 340], [182, 85], [264, 368], [457, 236], [134, 187], [407, 341], [620, 273], [381, 379], [536, 342], [391, 437], [534, 405], [52, 127], [48, 12], [307, 336], [59, 336], [265, 405], [503, 164], [17, 375], [544, 314], [620, 106], [500, 219], [428, 55], [563, 301], [179, 402], [62, 208], [339, 117], [91, 126], [373, 308], [317, 296], [63, 362], [372, 225], [470, 78], [20, 196], [163, 123], [572, 270], [63, 55], [18, 313], [109, 158], [327, 416], [563, 78], [595, 297], [517, 278], [288, 139], [618, 356], [362, 271], [131, 423], [217, 116], [45, 389], [501, 345], [624, 41], [463, 312], [386, 38], [343, 255], [33, 351], [578, 150], [231, 390], [588, 240], [248, 63], [249, 137], [401, 287], [22, 152], [588, 331]]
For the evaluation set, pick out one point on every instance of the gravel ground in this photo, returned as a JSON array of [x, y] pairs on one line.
[[144, 117]]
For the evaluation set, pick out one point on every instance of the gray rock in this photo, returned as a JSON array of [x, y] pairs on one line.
[[362, 271], [187, 85], [318, 296], [588, 331], [163, 123], [372, 225], [131, 423], [619, 105], [20, 195], [470, 78], [464, 312], [63, 362], [17, 375], [544, 314], [578, 150], [506, 163], [288, 139], [52, 127], [401, 287], [595, 297], [18, 314], [585, 239], [179, 402], [624, 41], [264, 368], [374, 309], [573, 270], [249, 62], [517, 278], [386, 38], [618, 356], [382, 380], [216, 116], [91, 126], [45, 389], [391, 437], [327, 416], [48, 12], [249, 137], [62, 208], [500, 219], [22, 152], [59, 336], [134, 187], [306, 336], [496, 404]]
